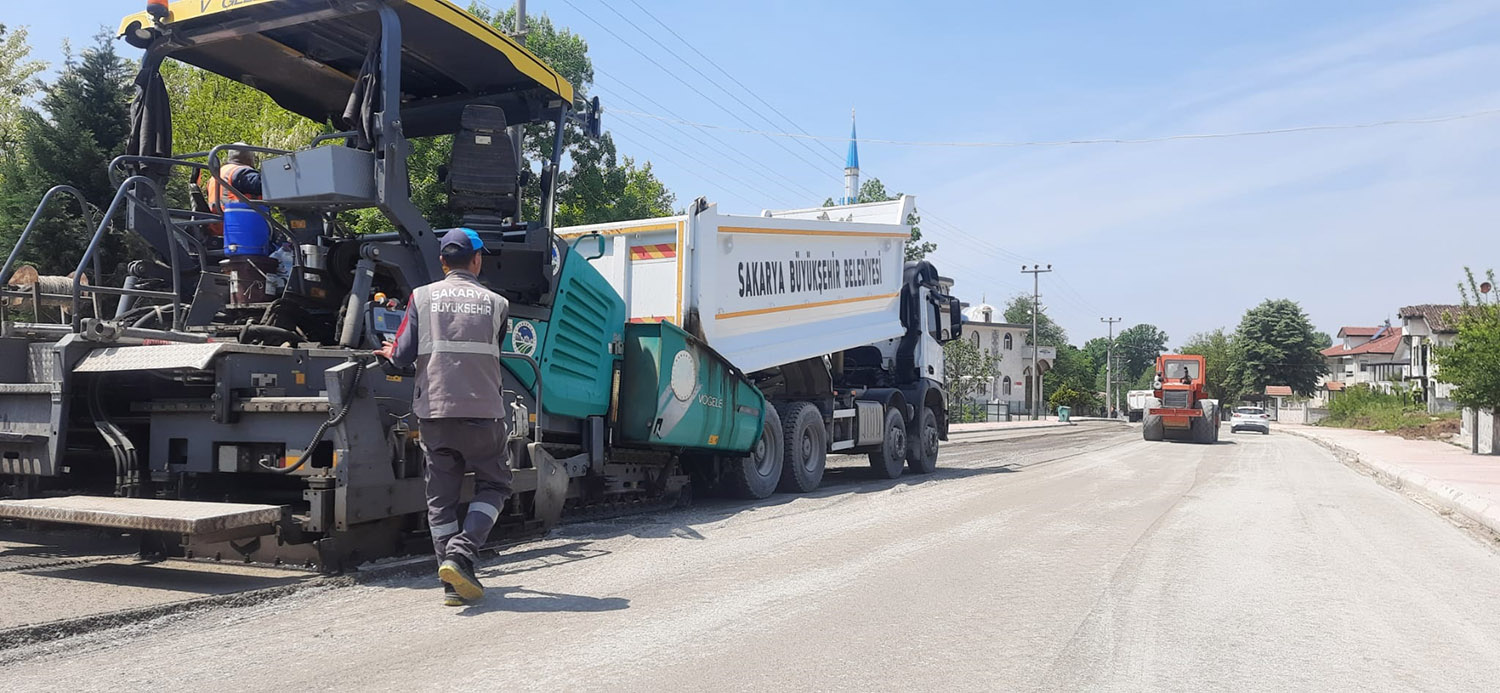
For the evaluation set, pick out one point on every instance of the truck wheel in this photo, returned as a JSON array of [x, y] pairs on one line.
[[806, 448], [922, 443], [754, 476], [1153, 429], [891, 457]]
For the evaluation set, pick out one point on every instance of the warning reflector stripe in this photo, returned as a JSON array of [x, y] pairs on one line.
[[653, 251]]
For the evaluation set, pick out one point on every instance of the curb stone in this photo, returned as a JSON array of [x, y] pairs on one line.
[[1445, 499]]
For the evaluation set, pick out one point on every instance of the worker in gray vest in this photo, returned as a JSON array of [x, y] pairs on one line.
[[452, 333]]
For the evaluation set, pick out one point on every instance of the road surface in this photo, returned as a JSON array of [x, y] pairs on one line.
[[1083, 561]]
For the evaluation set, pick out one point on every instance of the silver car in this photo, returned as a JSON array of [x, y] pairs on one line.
[[1250, 419]]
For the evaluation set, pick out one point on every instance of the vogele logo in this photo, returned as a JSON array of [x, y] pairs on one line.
[[223, 4]]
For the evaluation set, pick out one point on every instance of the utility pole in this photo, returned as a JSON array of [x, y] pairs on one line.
[[1109, 369], [1036, 300]]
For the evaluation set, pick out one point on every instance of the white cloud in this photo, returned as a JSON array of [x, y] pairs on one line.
[[1189, 234]]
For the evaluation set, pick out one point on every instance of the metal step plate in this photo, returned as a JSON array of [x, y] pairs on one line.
[[143, 514]]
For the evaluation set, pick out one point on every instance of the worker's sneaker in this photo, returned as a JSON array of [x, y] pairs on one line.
[[458, 571], [450, 596]]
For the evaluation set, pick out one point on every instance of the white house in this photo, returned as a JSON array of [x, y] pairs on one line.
[[987, 330], [1422, 328], [1372, 355]]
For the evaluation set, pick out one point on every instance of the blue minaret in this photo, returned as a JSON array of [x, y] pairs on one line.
[[851, 166]]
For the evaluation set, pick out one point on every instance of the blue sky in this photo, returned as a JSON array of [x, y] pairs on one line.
[[1184, 234]]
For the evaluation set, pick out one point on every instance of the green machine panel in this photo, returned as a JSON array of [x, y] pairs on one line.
[[574, 347], [677, 392]]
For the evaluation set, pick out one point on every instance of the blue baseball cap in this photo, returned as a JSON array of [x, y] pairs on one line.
[[460, 245]]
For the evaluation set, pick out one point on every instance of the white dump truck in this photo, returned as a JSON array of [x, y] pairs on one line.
[[1137, 402], [823, 312]]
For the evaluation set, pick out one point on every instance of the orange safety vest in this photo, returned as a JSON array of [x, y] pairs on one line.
[[217, 194], [213, 191]]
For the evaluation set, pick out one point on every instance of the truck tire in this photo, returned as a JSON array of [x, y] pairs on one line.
[[1153, 429], [806, 448], [755, 475], [922, 443], [888, 461]]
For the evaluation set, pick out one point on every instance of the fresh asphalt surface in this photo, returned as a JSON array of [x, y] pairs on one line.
[[1086, 559]]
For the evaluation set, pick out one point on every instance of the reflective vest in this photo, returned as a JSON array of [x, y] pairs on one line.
[[212, 192], [459, 327]]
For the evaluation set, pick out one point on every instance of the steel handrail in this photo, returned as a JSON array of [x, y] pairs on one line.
[[86, 211], [536, 435], [91, 253], [212, 169], [15, 252]]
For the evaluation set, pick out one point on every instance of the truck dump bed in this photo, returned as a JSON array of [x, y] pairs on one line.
[[762, 291]]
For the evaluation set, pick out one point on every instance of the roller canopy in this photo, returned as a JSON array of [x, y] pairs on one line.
[[307, 55]]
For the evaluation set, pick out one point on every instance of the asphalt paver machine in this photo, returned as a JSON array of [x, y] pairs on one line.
[[217, 396]]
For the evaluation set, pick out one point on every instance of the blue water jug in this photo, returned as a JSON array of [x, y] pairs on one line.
[[246, 232]]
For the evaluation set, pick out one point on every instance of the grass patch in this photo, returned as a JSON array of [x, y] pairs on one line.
[[1364, 408]]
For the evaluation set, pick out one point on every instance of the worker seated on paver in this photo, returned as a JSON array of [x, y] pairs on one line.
[[241, 172]]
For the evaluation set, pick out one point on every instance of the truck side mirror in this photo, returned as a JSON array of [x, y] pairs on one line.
[[956, 316]]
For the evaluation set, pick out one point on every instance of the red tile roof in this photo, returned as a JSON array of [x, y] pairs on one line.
[[1333, 386], [1358, 331], [1440, 318], [1279, 390], [1387, 344]]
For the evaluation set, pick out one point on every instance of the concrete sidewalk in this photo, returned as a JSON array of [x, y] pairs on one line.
[[1442, 475]]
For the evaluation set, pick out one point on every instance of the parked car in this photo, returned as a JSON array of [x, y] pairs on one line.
[[1250, 419]]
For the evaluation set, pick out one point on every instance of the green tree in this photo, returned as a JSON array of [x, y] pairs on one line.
[[1472, 363], [967, 372], [1218, 349], [1066, 396], [1136, 349], [209, 110], [1323, 340], [1096, 350], [18, 81], [1071, 370], [873, 190], [600, 185], [1018, 311], [83, 124], [1276, 345]]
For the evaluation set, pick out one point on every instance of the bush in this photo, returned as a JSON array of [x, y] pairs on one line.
[[1369, 409]]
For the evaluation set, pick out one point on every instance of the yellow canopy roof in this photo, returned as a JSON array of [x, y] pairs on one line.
[[306, 54]]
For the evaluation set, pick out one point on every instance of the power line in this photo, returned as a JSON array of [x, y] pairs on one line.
[[631, 139], [1108, 140], [721, 87], [679, 78], [714, 169], [705, 138]]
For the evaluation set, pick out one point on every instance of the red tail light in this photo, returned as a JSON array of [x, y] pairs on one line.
[[157, 8]]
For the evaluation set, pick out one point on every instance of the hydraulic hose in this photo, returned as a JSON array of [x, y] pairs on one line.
[[334, 419]]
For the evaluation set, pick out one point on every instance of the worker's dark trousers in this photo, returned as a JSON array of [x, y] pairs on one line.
[[453, 447]]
